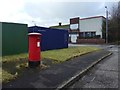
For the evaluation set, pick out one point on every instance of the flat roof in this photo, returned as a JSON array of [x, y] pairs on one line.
[[13, 23], [92, 17], [46, 28], [59, 26]]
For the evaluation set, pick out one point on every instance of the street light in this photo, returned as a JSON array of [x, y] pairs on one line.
[[106, 24]]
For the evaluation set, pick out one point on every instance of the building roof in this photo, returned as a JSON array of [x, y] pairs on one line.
[[45, 28], [66, 26], [13, 23], [92, 17]]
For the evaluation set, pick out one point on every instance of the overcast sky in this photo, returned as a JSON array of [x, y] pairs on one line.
[[50, 12]]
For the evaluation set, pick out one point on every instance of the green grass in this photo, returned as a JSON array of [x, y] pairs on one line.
[[0, 74], [14, 58], [65, 54], [58, 55], [6, 76], [12, 65]]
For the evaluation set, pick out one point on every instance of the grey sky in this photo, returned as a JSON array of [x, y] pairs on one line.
[[51, 13]]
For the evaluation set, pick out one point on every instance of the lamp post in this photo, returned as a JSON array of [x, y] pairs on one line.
[[106, 24]]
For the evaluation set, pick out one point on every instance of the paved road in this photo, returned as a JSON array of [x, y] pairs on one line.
[[104, 46], [103, 75]]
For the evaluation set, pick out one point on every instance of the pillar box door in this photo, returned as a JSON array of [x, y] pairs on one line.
[[34, 49]]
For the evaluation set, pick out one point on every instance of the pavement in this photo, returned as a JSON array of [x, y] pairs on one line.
[[58, 76], [103, 75]]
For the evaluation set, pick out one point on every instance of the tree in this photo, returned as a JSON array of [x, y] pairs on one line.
[[113, 24]]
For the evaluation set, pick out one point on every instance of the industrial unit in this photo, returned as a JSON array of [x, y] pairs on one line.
[[84, 30], [51, 38], [14, 38]]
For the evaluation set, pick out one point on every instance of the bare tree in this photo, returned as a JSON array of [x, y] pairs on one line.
[[114, 24]]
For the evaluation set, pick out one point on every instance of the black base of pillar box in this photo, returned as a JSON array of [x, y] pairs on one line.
[[33, 64]]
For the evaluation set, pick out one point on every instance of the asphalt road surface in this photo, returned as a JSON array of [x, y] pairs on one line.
[[104, 74]]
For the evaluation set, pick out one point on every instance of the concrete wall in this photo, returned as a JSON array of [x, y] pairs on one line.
[[91, 25]]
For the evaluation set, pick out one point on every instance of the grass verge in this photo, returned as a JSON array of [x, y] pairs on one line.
[[13, 65], [66, 54]]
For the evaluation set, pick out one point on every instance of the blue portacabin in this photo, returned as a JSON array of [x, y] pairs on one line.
[[51, 38]]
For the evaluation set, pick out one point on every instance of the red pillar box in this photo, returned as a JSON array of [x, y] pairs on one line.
[[34, 49]]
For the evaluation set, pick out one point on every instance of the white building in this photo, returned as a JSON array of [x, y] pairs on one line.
[[92, 26], [86, 28]]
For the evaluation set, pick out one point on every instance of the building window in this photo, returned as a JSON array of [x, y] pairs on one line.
[[92, 34], [81, 34], [87, 34], [74, 26]]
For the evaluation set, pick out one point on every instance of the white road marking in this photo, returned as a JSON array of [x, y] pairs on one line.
[[114, 50], [83, 77], [93, 79]]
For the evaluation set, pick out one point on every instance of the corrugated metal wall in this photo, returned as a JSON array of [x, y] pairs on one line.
[[51, 38], [14, 38]]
